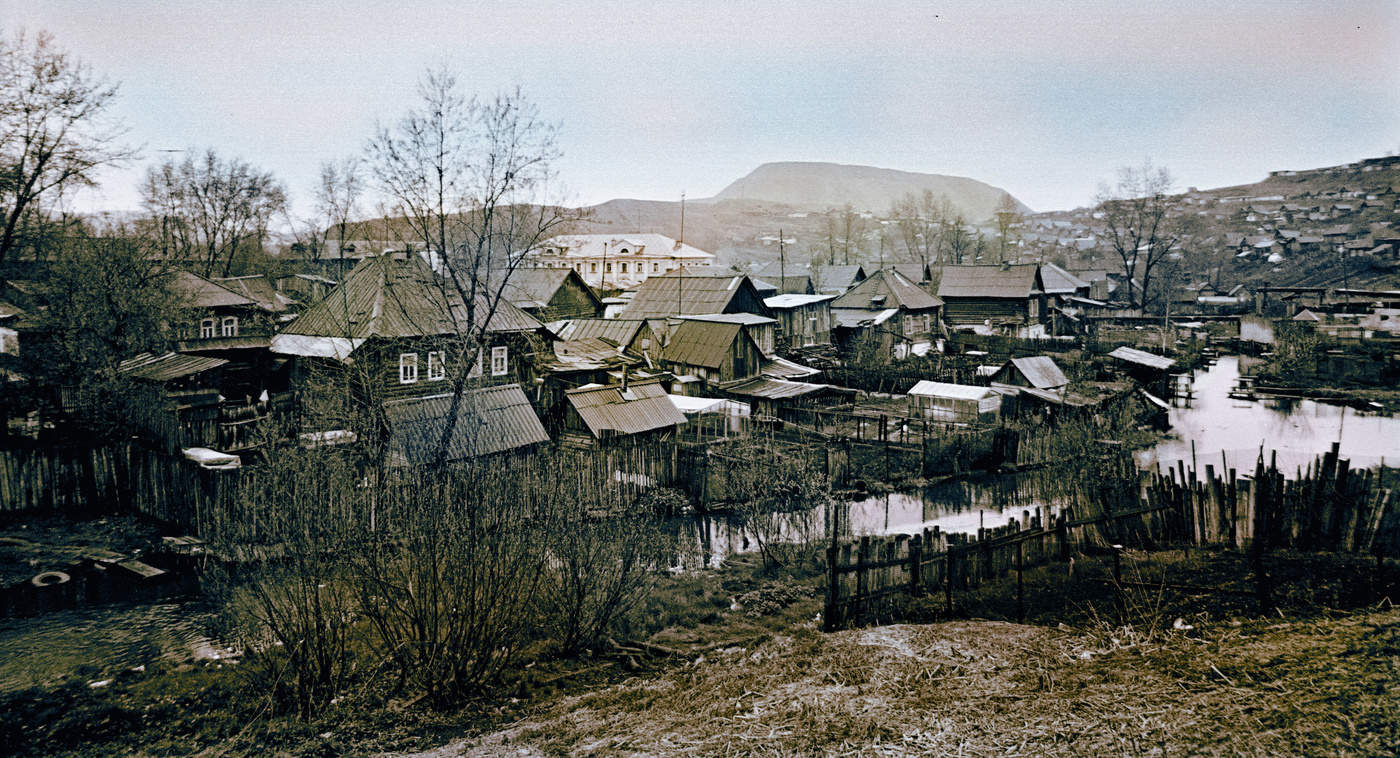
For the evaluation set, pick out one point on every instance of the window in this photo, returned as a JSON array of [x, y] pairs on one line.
[[207, 329], [624, 265], [928, 323], [498, 361], [607, 268], [230, 327], [437, 370], [408, 368], [908, 324], [655, 267], [592, 268]]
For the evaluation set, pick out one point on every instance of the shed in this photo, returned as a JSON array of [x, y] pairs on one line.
[[1039, 372], [958, 403], [607, 413], [490, 420]]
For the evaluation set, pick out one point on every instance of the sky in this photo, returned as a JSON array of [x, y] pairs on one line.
[[656, 98]]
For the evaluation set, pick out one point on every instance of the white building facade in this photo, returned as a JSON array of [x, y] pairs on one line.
[[615, 261]]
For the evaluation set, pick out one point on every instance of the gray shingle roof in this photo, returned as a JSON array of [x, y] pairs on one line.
[[198, 292], [618, 331], [1041, 372], [1017, 281], [163, 368]]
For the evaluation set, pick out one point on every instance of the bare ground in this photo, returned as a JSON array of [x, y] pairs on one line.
[[1275, 687]]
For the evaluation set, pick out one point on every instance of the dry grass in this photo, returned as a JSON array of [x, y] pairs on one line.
[[1321, 687]]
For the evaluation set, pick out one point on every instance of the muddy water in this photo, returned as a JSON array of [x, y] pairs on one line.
[[96, 643], [1299, 430]]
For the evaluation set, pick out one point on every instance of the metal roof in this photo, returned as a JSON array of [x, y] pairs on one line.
[[163, 368], [1060, 281], [689, 293], [619, 331], [899, 292], [783, 302], [1142, 358], [1018, 281], [536, 287], [257, 288], [387, 296], [609, 410], [1040, 371], [703, 343], [778, 367], [489, 420], [775, 389], [857, 317], [746, 319], [952, 391]]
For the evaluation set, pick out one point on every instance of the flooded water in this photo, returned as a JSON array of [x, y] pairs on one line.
[[961, 506], [96, 643], [1299, 430]]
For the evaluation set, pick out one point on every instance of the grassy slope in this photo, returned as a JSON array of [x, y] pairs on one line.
[[984, 687]]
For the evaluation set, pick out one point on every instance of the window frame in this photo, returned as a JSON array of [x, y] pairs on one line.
[[208, 328], [502, 353], [228, 326], [437, 366], [408, 368]]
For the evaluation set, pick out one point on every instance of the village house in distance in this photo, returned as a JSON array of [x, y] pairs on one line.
[[617, 261]]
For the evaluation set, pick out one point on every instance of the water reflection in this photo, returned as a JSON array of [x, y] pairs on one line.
[[1299, 429], [961, 506]]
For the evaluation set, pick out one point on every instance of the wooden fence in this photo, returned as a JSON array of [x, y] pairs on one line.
[[1327, 508]]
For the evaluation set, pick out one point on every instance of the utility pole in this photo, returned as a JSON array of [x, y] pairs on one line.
[[782, 262], [682, 239]]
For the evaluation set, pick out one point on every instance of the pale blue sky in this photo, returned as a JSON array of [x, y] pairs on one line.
[[1043, 99]]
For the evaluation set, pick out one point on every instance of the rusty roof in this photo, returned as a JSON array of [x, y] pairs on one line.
[[609, 410], [489, 420]]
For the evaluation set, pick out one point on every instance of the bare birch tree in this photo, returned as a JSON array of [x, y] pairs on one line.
[[919, 220], [1009, 221], [56, 131]]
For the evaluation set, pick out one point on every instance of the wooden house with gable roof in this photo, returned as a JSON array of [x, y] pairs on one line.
[[993, 296], [406, 330]]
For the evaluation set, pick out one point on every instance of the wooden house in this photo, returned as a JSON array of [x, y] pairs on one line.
[[992, 297], [551, 294], [613, 415], [823, 280], [863, 314], [633, 336], [1038, 372], [716, 352], [803, 320], [762, 329], [218, 318], [404, 332]]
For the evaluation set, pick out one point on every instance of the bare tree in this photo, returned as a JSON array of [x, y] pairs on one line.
[[470, 181], [956, 241], [55, 129], [1009, 221], [338, 196], [210, 210], [1142, 223], [919, 221], [852, 233]]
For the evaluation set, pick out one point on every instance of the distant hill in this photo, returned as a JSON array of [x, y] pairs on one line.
[[833, 185]]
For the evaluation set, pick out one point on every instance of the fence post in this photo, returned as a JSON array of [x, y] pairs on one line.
[[862, 586], [1020, 586], [948, 578], [830, 619], [916, 569]]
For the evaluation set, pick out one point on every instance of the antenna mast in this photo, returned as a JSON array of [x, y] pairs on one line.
[[682, 239]]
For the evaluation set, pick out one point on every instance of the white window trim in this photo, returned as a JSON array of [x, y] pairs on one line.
[[437, 369], [228, 327], [501, 355], [208, 328], [408, 368]]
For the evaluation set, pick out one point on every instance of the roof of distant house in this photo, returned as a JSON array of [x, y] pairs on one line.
[[690, 292], [950, 391], [1059, 281], [489, 420], [897, 291], [784, 302], [1003, 281], [1142, 358], [257, 288], [535, 287], [619, 331], [639, 243], [198, 292], [642, 407]]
